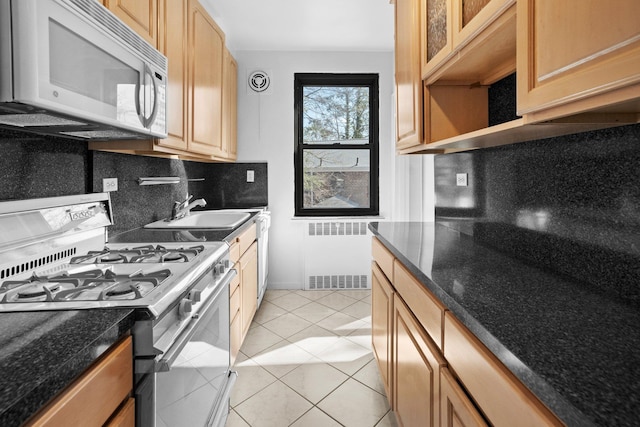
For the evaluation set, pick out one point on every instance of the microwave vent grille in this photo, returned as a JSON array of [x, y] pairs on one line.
[[103, 17]]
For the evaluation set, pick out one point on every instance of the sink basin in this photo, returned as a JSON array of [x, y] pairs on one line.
[[204, 220]]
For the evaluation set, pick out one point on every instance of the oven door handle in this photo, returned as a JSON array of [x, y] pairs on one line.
[[165, 364], [215, 419]]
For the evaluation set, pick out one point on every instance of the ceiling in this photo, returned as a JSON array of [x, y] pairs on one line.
[[308, 25]]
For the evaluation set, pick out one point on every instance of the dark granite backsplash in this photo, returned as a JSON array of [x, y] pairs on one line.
[[569, 204], [226, 186], [33, 166]]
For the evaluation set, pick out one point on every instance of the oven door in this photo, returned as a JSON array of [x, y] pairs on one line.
[[194, 379]]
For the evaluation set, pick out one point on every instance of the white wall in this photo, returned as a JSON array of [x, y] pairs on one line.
[[266, 133]]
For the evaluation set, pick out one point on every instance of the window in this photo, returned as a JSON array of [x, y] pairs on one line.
[[336, 153]]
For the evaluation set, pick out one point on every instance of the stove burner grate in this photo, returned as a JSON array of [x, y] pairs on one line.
[[138, 254], [86, 285]]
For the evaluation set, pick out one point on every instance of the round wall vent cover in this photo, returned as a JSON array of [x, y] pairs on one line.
[[259, 81]]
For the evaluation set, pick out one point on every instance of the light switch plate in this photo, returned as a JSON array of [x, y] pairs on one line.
[[250, 176], [109, 184], [461, 180]]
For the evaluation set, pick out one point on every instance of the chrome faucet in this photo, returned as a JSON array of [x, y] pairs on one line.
[[182, 209]]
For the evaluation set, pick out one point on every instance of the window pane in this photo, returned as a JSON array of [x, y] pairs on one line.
[[335, 115], [336, 179]]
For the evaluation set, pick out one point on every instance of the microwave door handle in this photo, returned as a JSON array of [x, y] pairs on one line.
[[139, 91], [148, 121]]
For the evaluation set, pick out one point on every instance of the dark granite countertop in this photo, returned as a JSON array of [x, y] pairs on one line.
[[571, 344], [148, 235], [42, 352]]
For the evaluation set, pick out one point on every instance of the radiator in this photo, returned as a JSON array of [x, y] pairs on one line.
[[337, 255]]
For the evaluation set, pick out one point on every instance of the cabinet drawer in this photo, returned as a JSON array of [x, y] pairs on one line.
[[455, 407], [382, 257], [91, 399], [235, 337], [126, 415], [234, 252], [234, 300], [246, 238], [503, 399], [425, 307]]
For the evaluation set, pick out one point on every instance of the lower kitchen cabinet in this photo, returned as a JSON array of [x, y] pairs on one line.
[[436, 372], [503, 399], [249, 286], [456, 410], [235, 319], [416, 371], [381, 326], [244, 289], [101, 396], [125, 417]]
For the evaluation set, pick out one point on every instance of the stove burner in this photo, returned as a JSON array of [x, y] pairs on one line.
[[38, 290], [111, 258], [173, 257], [121, 289], [35, 288]]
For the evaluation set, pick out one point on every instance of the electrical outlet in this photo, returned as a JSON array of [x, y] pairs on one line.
[[109, 184], [461, 180], [250, 176]]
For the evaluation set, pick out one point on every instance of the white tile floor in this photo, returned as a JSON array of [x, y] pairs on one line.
[[307, 362]]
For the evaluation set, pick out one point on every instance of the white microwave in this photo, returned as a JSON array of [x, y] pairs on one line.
[[71, 68]]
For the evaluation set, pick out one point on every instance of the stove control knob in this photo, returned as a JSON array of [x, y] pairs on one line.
[[219, 269], [195, 295], [184, 308]]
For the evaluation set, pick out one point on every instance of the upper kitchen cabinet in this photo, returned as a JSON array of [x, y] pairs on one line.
[[202, 89], [576, 66], [435, 33], [140, 15], [468, 41], [576, 56], [206, 54], [229, 139], [462, 47], [408, 81], [174, 45]]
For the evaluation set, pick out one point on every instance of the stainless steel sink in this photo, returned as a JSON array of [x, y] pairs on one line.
[[204, 220]]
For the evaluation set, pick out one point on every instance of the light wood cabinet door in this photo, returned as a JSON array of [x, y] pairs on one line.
[[92, 398], [249, 286], [586, 53], [456, 410], [382, 326], [140, 15], [229, 139], [436, 36], [173, 44], [416, 371], [206, 53], [408, 76]]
